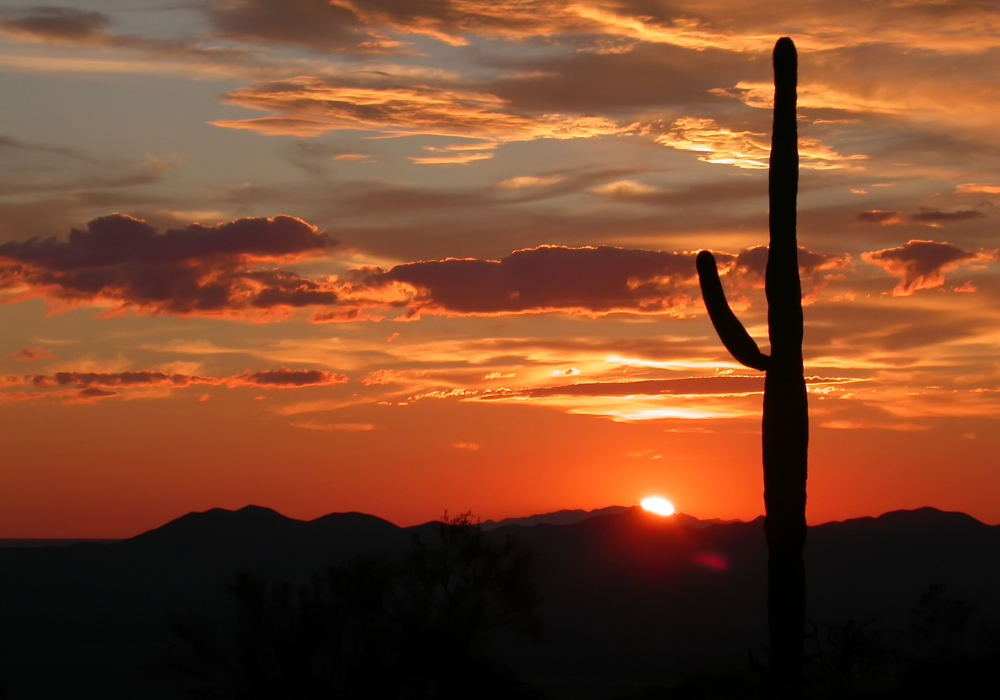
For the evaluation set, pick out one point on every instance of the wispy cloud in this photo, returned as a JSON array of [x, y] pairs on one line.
[[309, 106], [745, 149]]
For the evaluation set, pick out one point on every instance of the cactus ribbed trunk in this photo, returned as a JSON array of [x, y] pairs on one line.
[[785, 429], [786, 419]]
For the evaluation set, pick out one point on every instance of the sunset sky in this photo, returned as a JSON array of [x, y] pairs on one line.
[[402, 256]]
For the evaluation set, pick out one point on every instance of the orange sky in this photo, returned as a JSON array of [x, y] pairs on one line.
[[407, 257]]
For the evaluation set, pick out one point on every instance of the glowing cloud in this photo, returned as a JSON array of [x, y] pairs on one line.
[[309, 106], [977, 188], [923, 264], [525, 181], [744, 149]]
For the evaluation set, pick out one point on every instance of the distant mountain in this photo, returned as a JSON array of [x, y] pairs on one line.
[[571, 517], [561, 517], [630, 599]]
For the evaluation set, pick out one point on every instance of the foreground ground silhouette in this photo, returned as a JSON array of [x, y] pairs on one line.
[[629, 602]]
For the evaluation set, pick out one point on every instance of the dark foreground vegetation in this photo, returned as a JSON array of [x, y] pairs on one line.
[[415, 627], [940, 654], [419, 628], [622, 604]]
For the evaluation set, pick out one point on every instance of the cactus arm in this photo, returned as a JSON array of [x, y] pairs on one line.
[[731, 332]]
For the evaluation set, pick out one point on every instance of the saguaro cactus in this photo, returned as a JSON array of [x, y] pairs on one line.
[[786, 419]]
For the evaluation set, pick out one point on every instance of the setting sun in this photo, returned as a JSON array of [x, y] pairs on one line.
[[660, 506]]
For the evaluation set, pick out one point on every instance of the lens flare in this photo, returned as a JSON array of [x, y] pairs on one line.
[[660, 506]]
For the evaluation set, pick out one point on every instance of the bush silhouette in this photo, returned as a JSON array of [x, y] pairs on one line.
[[785, 428], [412, 628]]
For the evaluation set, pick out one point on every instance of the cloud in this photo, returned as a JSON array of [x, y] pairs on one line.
[[308, 106], [33, 354], [317, 24], [589, 281], [923, 264], [334, 427], [466, 446], [716, 386], [96, 393], [928, 215], [571, 372], [369, 26], [373, 25], [811, 96], [193, 270], [880, 217], [977, 188], [118, 380], [924, 215], [895, 425], [381, 377], [529, 181], [287, 379], [744, 149], [624, 189], [456, 154], [71, 26], [815, 268], [104, 384], [40, 169], [585, 280], [55, 25]]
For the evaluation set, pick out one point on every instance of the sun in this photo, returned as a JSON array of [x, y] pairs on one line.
[[660, 506]]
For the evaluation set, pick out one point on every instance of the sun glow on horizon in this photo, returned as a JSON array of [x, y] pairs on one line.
[[658, 505]]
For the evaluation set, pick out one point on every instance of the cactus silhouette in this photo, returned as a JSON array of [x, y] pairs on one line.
[[785, 427]]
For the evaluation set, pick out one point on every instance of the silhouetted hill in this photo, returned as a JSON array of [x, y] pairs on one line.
[[571, 517], [629, 599], [560, 517], [257, 532]]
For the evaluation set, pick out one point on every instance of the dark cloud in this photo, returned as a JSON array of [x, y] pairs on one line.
[[361, 26], [815, 269], [923, 264], [99, 384], [881, 217], [924, 215], [55, 24], [195, 269], [591, 280], [287, 379], [650, 76], [927, 215], [33, 354], [753, 260], [117, 379], [96, 393], [317, 24]]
